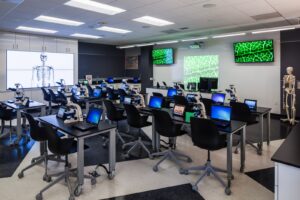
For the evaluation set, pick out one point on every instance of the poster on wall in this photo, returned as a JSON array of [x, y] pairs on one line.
[[131, 62], [200, 66], [89, 78]]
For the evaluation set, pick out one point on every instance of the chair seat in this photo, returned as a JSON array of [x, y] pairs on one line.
[[69, 146]]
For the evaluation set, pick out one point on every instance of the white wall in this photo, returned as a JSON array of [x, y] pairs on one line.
[[27, 42], [259, 81]]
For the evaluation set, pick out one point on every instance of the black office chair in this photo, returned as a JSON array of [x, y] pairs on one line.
[[165, 126], [157, 94], [207, 103], [165, 84], [241, 112], [47, 98], [55, 98], [122, 95], [63, 147], [7, 114], [205, 135], [90, 90], [115, 115], [138, 121], [112, 95], [62, 98], [77, 100], [38, 133]]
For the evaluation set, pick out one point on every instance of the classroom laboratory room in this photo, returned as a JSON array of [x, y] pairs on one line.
[[149, 99]]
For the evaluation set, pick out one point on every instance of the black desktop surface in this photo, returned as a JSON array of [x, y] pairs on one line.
[[288, 153], [69, 129], [32, 105]]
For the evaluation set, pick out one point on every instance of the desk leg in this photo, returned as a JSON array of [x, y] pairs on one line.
[[87, 105], [43, 145], [112, 153], [229, 160], [243, 154], [154, 145], [104, 111], [80, 162], [19, 128], [43, 111], [260, 144], [269, 128]]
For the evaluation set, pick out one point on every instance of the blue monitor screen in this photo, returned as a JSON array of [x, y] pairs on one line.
[[221, 113], [110, 80], [94, 116], [155, 102], [218, 97], [97, 93], [172, 92], [251, 103]]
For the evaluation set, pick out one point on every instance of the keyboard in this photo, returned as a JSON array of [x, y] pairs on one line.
[[221, 123], [83, 126]]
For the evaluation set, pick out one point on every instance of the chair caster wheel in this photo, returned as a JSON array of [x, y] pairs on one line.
[[47, 178], [21, 175], [71, 198], [93, 181], [155, 169], [227, 191], [78, 190], [236, 151], [195, 188], [259, 152], [151, 157], [189, 160], [39, 196], [33, 161], [183, 171], [111, 175]]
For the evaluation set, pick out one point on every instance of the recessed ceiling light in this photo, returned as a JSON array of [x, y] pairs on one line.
[[194, 39], [95, 7], [114, 30], [273, 30], [167, 42], [40, 30], [228, 35], [85, 36], [58, 20], [209, 5], [153, 21]]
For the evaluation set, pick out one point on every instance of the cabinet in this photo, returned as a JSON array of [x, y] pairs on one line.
[[66, 46], [40, 44], [12, 41]]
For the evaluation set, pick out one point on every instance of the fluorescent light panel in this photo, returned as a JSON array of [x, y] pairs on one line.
[[58, 20], [31, 29], [126, 47], [153, 21], [228, 35], [85, 36], [194, 39], [113, 30], [273, 30], [167, 42], [144, 44], [95, 7]]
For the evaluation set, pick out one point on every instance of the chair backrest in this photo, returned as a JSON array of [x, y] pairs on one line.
[[180, 100], [54, 141], [164, 124], [111, 110], [205, 134], [157, 94], [52, 94], [133, 115], [37, 133], [46, 94], [62, 98], [7, 113], [240, 112], [207, 103]]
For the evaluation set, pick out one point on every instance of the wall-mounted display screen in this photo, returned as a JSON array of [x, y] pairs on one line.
[[200, 66], [254, 51], [163, 56], [27, 68]]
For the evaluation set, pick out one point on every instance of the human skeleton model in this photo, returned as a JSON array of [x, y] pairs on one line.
[[78, 117], [232, 93], [43, 75], [288, 86], [201, 106]]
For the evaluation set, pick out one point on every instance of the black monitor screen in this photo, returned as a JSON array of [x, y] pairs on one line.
[[207, 84]]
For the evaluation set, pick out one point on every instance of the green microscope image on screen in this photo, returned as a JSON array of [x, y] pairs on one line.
[[254, 51], [162, 56], [200, 66]]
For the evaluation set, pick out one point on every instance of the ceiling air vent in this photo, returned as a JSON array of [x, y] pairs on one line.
[[266, 16], [170, 31]]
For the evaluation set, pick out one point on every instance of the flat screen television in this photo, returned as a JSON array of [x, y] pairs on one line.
[[258, 51], [163, 56]]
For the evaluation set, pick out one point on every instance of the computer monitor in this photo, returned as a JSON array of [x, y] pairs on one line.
[[221, 113], [94, 116], [208, 84], [171, 92], [127, 100], [155, 102], [218, 98], [252, 104], [192, 86], [179, 110], [97, 92], [110, 80]]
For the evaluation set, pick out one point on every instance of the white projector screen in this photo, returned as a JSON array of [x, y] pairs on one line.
[[21, 65]]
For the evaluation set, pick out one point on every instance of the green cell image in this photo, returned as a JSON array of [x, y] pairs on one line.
[[200, 66], [254, 51], [162, 56]]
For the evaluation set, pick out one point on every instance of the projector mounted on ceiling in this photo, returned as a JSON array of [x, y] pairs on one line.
[[197, 45]]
